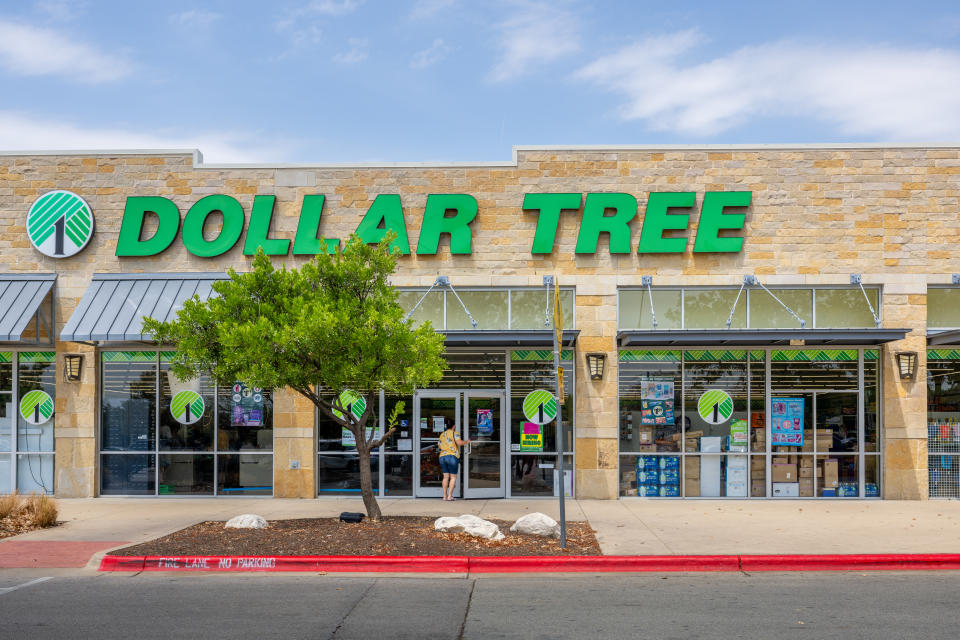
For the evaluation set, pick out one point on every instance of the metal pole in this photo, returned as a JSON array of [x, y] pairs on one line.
[[560, 469]]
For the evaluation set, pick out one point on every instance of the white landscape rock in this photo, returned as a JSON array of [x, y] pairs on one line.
[[537, 524], [469, 524], [246, 521]]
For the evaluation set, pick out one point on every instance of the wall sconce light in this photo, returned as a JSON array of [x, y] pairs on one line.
[[73, 366], [907, 364], [595, 363]]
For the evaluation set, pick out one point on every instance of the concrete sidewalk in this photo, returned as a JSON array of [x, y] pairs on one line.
[[625, 527]]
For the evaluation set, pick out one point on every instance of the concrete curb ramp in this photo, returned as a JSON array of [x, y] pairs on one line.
[[534, 564]]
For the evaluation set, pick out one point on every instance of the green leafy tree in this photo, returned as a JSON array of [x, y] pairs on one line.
[[332, 325]]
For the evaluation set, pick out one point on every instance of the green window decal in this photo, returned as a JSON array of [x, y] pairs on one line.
[[36, 407], [187, 407]]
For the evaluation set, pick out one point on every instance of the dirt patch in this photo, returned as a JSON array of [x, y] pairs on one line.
[[393, 536]]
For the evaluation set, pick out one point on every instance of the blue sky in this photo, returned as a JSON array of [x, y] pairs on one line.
[[457, 80]]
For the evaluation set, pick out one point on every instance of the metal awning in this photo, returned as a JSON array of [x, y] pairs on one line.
[[491, 338], [114, 305], [750, 337], [20, 298], [943, 336]]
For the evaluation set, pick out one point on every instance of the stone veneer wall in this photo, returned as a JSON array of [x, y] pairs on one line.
[[817, 216]]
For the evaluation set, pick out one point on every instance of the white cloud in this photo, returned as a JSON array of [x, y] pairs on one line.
[[430, 56], [22, 132], [357, 52], [36, 51], [425, 9], [195, 18], [535, 34], [897, 93], [61, 10], [332, 7]]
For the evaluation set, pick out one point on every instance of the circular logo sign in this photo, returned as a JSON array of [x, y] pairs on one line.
[[715, 406], [59, 224], [36, 407], [187, 407], [540, 406], [353, 402]]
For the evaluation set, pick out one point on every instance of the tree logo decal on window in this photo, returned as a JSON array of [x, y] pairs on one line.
[[36, 407], [59, 224], [187, 407]]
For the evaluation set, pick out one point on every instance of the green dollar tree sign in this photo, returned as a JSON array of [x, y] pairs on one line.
[[59, 224]]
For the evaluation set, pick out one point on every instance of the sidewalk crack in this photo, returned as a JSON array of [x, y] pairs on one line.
[[466, 613], [652, 532], [352, 607]]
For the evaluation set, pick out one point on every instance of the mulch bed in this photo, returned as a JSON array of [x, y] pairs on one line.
[[392, 536], [17, 523]]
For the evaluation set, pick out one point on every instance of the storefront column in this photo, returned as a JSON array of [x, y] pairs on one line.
[[75, 430], [596, 432], [293, 445], [905, 475]]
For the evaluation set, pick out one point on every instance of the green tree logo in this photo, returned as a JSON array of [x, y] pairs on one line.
[[36, 407], [715, 406], [59, 224], [540, 406], [187, 407]]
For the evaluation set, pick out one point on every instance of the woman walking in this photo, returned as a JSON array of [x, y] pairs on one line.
[[449, 445]]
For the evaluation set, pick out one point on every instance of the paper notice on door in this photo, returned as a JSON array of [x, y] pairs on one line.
[[404, 444], [438, 424]]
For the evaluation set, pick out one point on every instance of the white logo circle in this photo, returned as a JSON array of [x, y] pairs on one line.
[[59, 224]]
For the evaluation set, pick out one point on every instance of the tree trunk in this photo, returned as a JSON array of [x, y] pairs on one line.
[[366, 481]]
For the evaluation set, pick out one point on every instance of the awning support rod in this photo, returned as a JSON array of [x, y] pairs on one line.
[[753, 280], [735, 302], [647, 281], [450, 286], [547, 284], [855, 278], [424, 296]]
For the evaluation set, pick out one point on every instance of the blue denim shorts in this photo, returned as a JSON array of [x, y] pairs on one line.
[[449, 464]]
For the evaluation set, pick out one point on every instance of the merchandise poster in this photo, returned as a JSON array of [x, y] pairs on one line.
[[246, 406], [739, 435], [531, 439], [485, 422], [438, 424], [656, 402], [347, 438], [404, 444], [424, 425], [786, 418]]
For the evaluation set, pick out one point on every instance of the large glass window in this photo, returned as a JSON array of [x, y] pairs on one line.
[[943, 421], [695, 423], [943, 307], [751, 307], [161, 436], [27, 400], [493, 309]]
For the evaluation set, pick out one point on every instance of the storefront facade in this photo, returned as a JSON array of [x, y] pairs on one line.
[[751, 310]]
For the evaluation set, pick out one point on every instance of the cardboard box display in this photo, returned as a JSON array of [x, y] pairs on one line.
[[758, 488], [784, 473], [806, 473], [646, 448], [629, 492], [677, 437], [758, 462], [691, 467], [691, 487], [806, 487], [831, 473], [780, 460], [806, 461], [786, 490], [645, 435], [824, 440], [691, 444]]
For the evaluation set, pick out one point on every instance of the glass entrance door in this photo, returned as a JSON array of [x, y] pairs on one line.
[[484, 457], [478, 416], [432, 410]]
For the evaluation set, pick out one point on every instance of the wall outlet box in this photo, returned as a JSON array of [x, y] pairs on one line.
[[294, 464]]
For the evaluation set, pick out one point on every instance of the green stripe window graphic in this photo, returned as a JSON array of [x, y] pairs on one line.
[[36, 407], [187, 407], [540, 406], [352, 402], [59, 224], [715, 406]]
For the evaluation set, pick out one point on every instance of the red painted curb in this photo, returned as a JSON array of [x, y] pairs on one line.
[[861, 562], [601, 564], [534, 564]]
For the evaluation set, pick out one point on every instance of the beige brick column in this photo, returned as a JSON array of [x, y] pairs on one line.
[[905, 402], [293, 442], [596, 437], [75, 430]]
